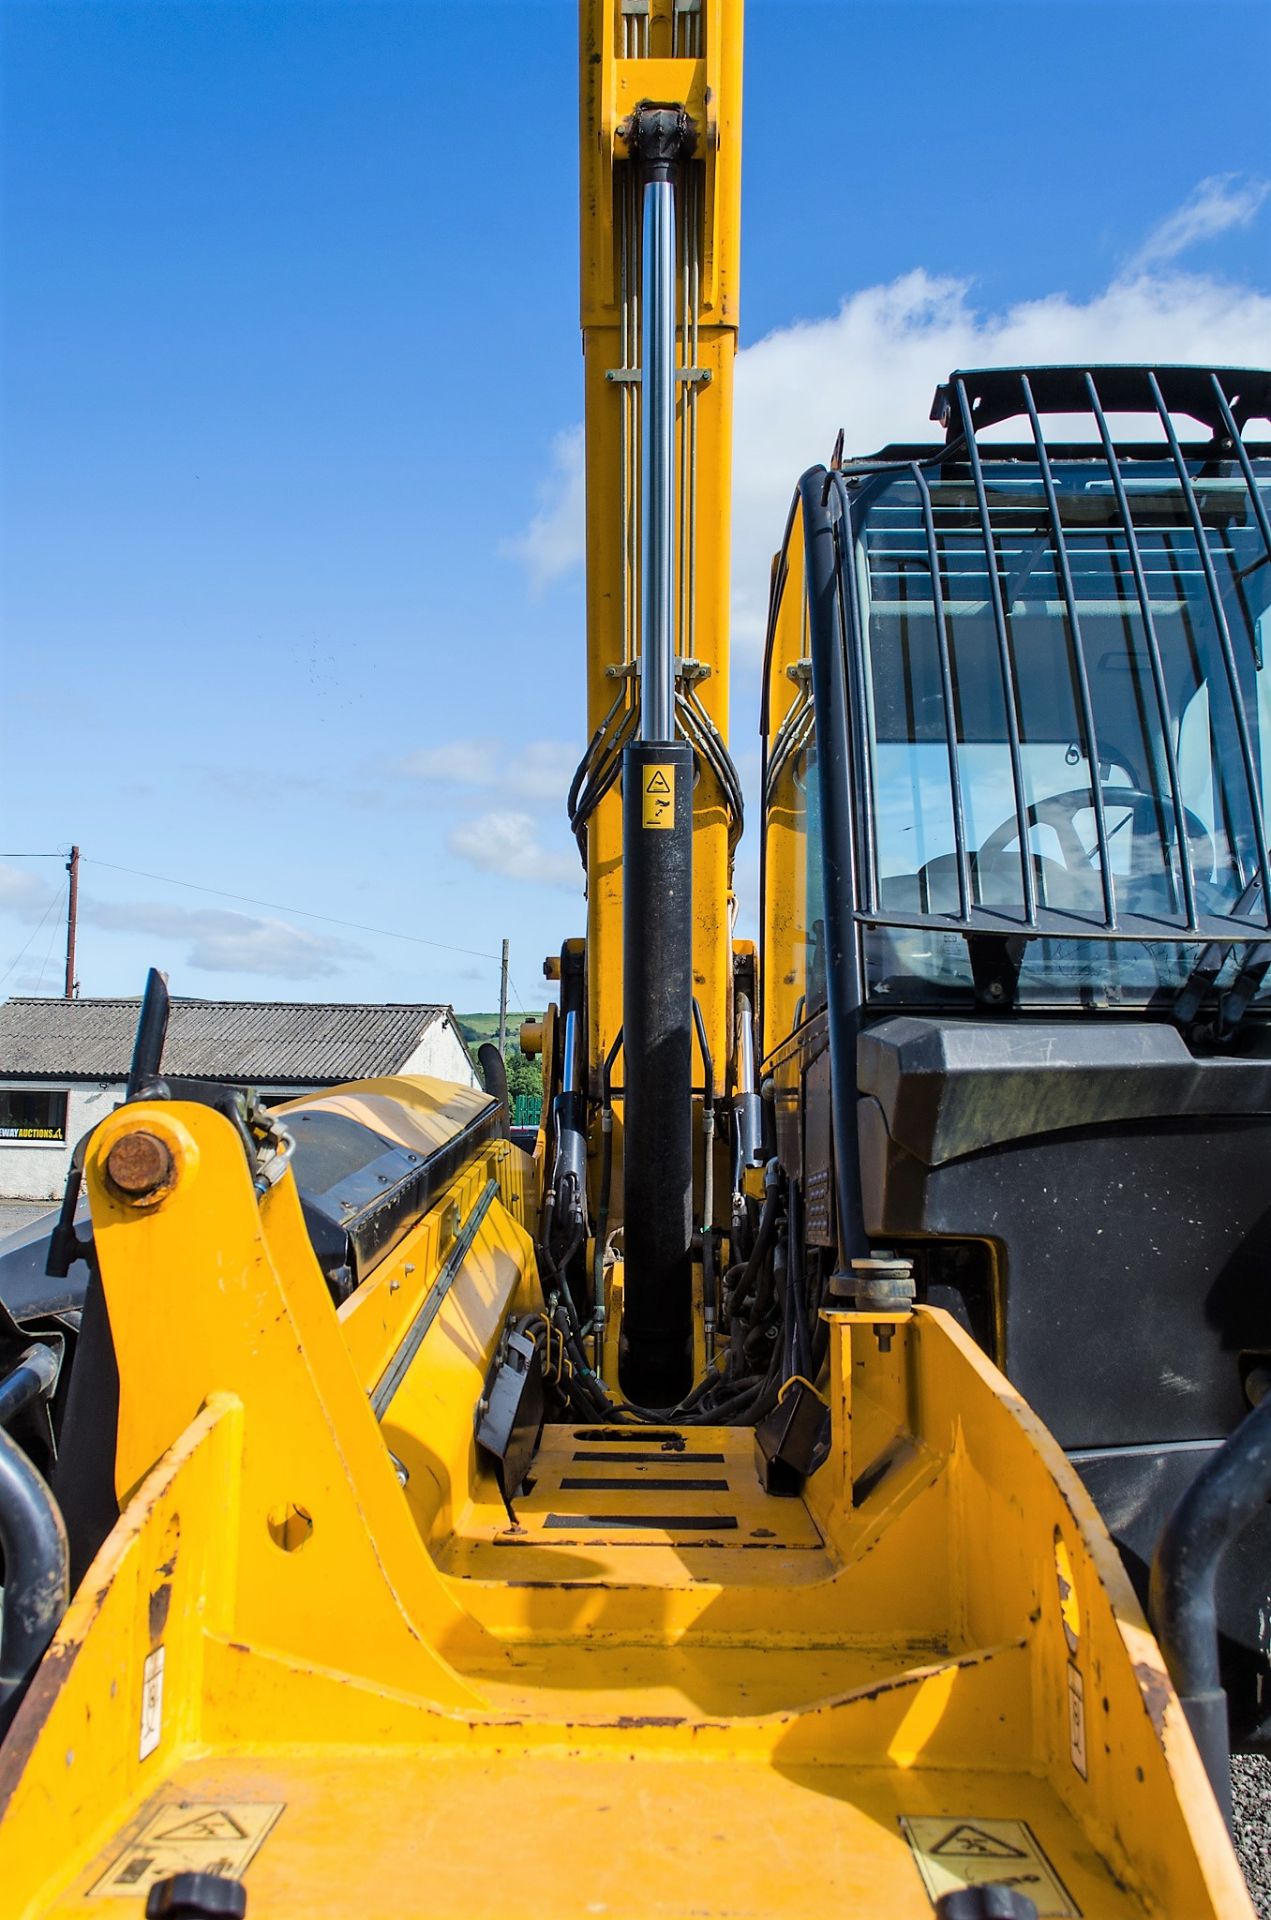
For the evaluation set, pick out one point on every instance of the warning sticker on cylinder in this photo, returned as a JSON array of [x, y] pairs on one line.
[[659, 796], [950, 1853], [213, 1836]]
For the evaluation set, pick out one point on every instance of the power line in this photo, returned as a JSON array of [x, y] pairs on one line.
[[48, 951], [271, 906], [33, 935], [275, 906], [521, 1007]]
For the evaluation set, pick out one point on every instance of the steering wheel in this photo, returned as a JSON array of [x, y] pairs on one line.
[[1059, 810]]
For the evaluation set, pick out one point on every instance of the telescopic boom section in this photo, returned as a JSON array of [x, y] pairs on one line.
[[660, 135]]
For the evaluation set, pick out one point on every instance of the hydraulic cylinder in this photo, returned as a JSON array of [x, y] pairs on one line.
[[657, 948]]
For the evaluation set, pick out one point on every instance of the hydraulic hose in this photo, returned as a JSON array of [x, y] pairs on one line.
[[1228, 1492], [602, 1209], [735, 1394], [763, 1239], [709, 1301], [796, 1282], [33, 1540], [34, 1375], [557, 1274]]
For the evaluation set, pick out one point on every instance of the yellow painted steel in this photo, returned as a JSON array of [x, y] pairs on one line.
[[787, 727], [692, 56], [669, 1688], [318, 1652]]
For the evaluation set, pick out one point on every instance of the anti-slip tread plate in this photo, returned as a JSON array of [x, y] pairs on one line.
[[638, 1486]]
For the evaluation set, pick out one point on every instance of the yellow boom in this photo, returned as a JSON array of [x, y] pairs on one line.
[[692, 55]]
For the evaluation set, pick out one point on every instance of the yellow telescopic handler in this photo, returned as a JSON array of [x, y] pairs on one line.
[[748, 1495]]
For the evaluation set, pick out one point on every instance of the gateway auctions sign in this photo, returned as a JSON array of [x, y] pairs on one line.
[[33, 1114]]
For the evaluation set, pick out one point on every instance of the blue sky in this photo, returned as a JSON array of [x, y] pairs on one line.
[[291, 381]]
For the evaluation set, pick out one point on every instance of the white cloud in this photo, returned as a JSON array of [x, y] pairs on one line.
[[36, 962], [23, 894], [213, 939], [539, 770], [542, 770], [552, 543], [461, 763], [873, 367], [1219, 204], [219, 940], [507, 843], [239, 944], [36, 981]]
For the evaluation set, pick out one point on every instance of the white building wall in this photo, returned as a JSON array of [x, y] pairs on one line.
[[442, 1055], [34, 1170]]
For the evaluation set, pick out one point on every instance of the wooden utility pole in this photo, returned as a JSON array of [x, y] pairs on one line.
[[72, 915], [503, 1001]]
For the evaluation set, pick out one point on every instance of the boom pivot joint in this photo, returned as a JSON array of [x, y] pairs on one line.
[[660, 137]]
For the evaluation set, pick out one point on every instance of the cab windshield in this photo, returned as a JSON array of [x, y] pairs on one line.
[[1101, 726]]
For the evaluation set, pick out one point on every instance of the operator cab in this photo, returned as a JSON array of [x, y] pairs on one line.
[[1017, 784]]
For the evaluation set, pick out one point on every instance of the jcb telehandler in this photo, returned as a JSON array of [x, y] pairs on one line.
[[721, 1495]]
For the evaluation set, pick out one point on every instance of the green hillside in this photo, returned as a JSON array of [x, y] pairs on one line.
[[524, 1076], [479, 1027]]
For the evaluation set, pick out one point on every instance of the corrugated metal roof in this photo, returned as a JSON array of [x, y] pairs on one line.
[[238, 1040]]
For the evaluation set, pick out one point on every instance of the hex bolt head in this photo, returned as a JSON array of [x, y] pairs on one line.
[[138, 1164]]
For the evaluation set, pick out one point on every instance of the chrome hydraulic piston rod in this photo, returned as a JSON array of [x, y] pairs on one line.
[[657, 841], [747, 1105], [570, 1177], [657, 492]]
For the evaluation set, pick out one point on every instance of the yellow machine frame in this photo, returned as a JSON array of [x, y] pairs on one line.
[[279, 1631], [320, 1653]]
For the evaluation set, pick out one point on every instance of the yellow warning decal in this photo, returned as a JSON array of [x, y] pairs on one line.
[[214, 1836], [950, 1853], [659, 796]]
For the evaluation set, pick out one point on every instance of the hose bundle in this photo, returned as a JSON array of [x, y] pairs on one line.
[[769, 1322]]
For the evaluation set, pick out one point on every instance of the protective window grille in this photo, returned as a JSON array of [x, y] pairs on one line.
[[1070, 635]]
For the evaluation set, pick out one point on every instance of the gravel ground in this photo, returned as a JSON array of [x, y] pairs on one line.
[[1251, 1791]]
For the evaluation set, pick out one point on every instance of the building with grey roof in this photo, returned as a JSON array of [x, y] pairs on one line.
[[64, 1063]]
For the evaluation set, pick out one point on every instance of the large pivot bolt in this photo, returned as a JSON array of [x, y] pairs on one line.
[[196, 1896], [138, 1165]]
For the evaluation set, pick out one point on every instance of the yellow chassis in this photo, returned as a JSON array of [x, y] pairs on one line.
[[372, 1699]]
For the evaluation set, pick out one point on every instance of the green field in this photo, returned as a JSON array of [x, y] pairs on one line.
[[479, 1027], [525, 1077]]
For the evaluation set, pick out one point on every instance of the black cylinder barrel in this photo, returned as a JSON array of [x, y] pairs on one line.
[[657, 1013]]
